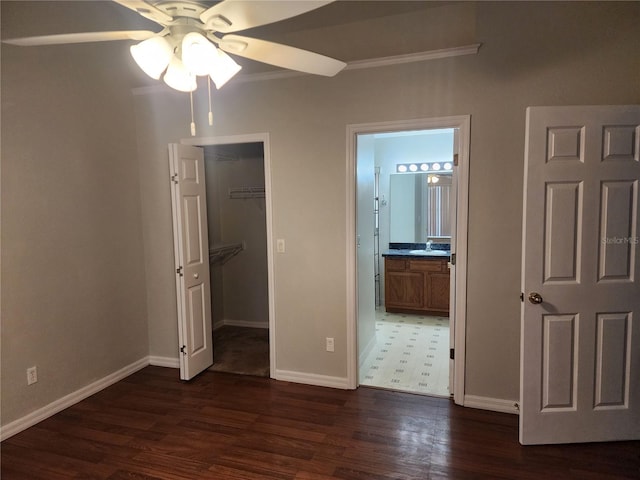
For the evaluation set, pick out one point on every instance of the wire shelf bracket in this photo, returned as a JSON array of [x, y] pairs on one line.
[[222, 253]]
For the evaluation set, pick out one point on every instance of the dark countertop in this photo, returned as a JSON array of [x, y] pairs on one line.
[[398, 252]]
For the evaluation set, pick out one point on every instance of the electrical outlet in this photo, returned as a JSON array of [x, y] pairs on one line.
[[280, 245], [32, 375], [330, 344]]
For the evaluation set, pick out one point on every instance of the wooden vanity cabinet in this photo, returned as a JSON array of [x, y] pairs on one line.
[[417, 285]]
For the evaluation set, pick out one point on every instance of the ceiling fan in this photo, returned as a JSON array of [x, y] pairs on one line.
[[196, 38]]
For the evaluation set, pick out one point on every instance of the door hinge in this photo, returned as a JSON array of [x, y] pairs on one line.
[[452, 353], [453, 259], [183, 349], [174, 178], [455, 159], [179, 271], [522, 296]]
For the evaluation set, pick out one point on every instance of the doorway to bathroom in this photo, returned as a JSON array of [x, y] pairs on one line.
[[409, 214], [236, 171]]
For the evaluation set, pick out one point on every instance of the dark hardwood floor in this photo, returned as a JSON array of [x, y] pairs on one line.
[[224, 426]]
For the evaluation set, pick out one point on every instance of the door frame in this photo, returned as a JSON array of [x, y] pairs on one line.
[[264, 139], [463, 124]]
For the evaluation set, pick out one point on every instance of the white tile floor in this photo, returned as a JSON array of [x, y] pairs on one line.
[[411, 354]]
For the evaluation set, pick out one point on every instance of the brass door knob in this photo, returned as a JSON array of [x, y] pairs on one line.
[[535, 298]]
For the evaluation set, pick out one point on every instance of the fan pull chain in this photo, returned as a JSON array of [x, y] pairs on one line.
[[193, 124], [210, 113]]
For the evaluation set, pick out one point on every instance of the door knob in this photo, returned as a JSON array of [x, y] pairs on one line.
[[195, 275], [535, 298]]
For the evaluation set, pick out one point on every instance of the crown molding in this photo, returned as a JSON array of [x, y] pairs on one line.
[[372, 62], [414, 57], [425, 56]]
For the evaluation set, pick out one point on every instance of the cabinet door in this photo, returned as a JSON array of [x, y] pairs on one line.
[[404, 290], [437, 292], [396, 264]]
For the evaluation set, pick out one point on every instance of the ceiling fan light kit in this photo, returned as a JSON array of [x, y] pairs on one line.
[[188, 46]]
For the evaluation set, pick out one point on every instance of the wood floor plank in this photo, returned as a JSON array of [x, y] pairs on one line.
[[153, 426]]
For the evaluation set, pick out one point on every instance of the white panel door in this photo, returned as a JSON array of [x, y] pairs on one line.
[[191, 248], [580, 337]]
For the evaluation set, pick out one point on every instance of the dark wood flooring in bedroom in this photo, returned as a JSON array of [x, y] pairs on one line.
[[225, 426]]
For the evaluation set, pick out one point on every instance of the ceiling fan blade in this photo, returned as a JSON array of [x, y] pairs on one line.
[[80, 38], [147, 11], [234, 15], [281, 55]]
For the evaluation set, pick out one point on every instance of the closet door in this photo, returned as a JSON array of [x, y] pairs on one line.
[[191, 248]]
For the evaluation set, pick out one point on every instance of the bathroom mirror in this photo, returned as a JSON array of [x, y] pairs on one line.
[[419, 206]]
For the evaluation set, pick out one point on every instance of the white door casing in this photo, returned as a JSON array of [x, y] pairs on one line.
[[453, 260], [580, 349], [264, 139], [462, 124], [191, 253]]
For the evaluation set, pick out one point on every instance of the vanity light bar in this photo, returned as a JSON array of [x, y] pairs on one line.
[[424, 167]]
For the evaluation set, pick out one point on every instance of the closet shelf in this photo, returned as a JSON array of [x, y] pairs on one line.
[[246, 192], [221, 253]]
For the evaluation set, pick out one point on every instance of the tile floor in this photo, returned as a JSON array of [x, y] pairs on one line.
[[411, 354]]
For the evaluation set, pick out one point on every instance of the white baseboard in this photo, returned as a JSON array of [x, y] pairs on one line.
[[245, 323], [311, 379], [169, 362], [218, 324], [56, 406], [493, 404]]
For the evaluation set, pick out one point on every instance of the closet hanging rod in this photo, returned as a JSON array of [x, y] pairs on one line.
[[246, 192]]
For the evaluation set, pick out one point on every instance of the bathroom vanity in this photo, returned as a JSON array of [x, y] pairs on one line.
[[416, 282]]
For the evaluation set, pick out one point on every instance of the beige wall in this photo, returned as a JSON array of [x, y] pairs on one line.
[[532, 54], [73, 283]]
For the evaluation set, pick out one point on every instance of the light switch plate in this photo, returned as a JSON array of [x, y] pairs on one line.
[[330, 344]]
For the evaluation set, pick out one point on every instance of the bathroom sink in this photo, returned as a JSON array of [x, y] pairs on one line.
[[433, 253]]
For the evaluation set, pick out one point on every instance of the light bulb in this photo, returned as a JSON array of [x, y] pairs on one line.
[[152, 56], [178, 77], [198, 53], [223, 69]]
